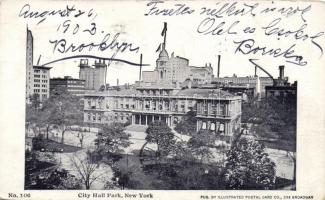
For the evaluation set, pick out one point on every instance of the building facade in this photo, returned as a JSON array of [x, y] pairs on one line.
[[216, 110], [29, 64], [94, 76], [176, 69], [68, 84], [41, 86], [37, 77], [281, 88], [259, 83]]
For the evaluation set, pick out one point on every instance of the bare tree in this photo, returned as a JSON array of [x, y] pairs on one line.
[[87, 170]]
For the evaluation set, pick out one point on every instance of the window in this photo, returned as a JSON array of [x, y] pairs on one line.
[[204, 125], [44, 90], [44, 85], [213, 126], [36, 80], [37, 76], [36, 90], [36, 85], [43, 76], [36, 70]]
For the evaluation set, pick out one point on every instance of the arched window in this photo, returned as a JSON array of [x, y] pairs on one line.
[[161, 74], [204, 125], [213, 126], [222, 128]]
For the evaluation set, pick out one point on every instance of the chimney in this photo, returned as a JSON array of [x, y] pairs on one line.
[[117, 82], [83, 62], [255, 71], [281, 72], [140, 67], [218, 74]]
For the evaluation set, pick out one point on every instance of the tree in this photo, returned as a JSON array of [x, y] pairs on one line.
[[88, 171], [188, 124], [200, 144], [62, 110], [42, 172], [35, 101], [248, 166], [59, 179], [158, 132], [112, 139]]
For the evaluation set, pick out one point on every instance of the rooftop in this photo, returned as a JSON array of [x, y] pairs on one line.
[[41, 67], [204, 93]]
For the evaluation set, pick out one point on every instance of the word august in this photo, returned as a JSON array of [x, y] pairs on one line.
[[68, 11]]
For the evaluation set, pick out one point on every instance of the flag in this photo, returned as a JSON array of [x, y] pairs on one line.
[[158, 49], [164, 29]]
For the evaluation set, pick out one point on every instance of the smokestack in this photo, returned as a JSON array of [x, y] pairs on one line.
[[281, 72], [140, 67], [117, 82], [255, 71], [219, 57]]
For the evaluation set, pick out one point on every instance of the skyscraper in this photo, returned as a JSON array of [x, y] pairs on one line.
[[37, 77]]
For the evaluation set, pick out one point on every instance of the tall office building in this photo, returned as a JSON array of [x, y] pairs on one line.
[[37, 77], [29, 64]]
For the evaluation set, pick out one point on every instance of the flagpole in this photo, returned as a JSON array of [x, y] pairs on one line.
[[164, 33]]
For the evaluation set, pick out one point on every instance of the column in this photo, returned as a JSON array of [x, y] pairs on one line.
[[133, 119], [227, 128], [146, 119], [197, 125], [140, 119]]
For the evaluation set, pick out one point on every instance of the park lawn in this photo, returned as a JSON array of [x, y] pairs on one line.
[[51, 145], [280, 145]]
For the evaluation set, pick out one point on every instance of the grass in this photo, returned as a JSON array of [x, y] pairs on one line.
[[280, 145], [50, 145]]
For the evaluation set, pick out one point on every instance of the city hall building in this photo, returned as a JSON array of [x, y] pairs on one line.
[[216, 110]]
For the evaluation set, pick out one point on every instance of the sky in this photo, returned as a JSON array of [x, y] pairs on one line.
[[128, 19]]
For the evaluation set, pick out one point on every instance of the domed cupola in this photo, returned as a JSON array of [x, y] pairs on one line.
[[163, 56]]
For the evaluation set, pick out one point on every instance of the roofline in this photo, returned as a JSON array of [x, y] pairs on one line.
[[42, 67], [74, 79]]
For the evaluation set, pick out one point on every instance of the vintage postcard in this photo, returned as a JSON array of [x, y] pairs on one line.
[[162, 99]]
